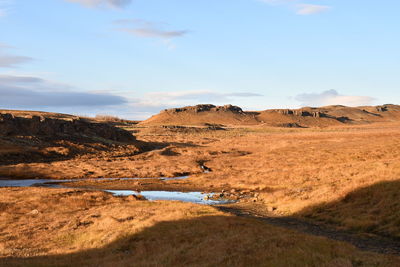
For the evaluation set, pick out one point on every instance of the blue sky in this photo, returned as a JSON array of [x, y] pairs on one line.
[[134, 58]]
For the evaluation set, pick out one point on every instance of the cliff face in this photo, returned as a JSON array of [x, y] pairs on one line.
[[11, 125], [30, 137], [206, 108]]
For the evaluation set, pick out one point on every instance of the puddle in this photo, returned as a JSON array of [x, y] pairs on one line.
[[50, 182], [193, 197]]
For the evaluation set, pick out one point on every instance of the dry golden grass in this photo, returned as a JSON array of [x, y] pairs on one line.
[[44, 227], [292, 169], [373, 209]]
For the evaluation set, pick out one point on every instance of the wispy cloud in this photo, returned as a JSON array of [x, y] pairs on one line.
[[154, 33], [147, 29], [308, 9], [300, 8], [8, 60], [332, 97], [99, 3]]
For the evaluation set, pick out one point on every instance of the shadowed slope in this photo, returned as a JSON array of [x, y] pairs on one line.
[[374, 209]]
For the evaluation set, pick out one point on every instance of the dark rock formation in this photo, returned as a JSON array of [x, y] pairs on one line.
[[290, 125], [285, 111], [206, 107], [382, 108], [60, 129]]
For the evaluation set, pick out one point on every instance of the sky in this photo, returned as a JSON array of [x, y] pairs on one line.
[[133, 58]]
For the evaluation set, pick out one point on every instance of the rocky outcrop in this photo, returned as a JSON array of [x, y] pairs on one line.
[[206, 107], [337, 115], [381, 108], [11, 125], [302, 113]]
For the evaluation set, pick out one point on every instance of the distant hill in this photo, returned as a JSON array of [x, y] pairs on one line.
[[304, 117], [203, 114]]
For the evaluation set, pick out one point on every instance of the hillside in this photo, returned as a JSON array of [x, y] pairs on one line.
[[304, 117], [31, 136], [203, 114]]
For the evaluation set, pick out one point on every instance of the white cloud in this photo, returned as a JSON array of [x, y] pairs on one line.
[[308, 9], [33, 92], [98, 3], [332, 97]]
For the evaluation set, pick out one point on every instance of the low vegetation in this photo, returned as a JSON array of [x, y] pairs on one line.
[[37, 230], [341, 176], [374, 209]]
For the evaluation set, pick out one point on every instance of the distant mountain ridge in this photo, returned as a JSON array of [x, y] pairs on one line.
[[304, 117]]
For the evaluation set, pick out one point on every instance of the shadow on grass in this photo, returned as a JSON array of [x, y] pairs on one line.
[[213, 241], [374, 209]]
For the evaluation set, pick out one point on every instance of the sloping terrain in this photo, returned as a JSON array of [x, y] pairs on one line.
[[203, 114], [35, 136], [293, 118]]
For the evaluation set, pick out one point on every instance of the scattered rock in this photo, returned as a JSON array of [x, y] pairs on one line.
[[290, 125], [33, 212], [136, 197], [381, 108], [271, 209], [205, 169], [84, 223]]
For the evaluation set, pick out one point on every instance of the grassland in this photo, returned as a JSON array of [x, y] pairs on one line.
[[343, 177], [41, 227]]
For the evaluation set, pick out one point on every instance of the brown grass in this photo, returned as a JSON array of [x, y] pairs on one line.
[[292, 169], [373, 209], [42, 227]]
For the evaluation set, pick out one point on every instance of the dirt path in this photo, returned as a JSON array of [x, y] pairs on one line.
[[372, 243]]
